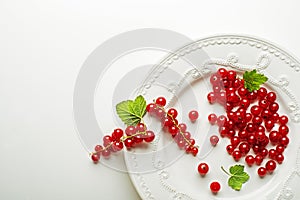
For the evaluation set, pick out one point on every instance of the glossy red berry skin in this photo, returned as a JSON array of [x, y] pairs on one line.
[[117, 134], [161, 101], [95, 158], [140, 127], [222, 72], [215, 187], [284, 141], [130, 130], [203, 169], [262, 171], [279, 149], [221, 120], [214, 140], [229, 149], [149, 137], [273, 107], [250, 160], [236, 154], [105, 153], [244, 148], [279, 158], [271, 166], [235, 141], [182, 127], [151, 107], [117, 146], [193, 115], [271, 96], [194, 150], [283, 119], [211, 97], [172, 112], [258, 159], [262, 92], [128, 142], [283, 130], [212, 118]]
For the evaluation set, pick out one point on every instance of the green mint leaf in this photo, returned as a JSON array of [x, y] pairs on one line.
[[131, 112], [237, 176], [253, 80]]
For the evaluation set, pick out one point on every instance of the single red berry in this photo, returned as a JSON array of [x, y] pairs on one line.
[[221, 120], [272, 153], [194, 150], [271, 166], [128, 142], [229, 149], [255, 110], [222, 72], [231, 75], [248, 117], [243, 92], [117, 146], [167, 122], [271, 96], [279, 149], [269, 124], [212, 118], [214, 140], [243, 135], [95, 157], [283, 119], [251, 139], [203, 169], [244, 103], [275, 137], [283, 130], [107, 140], [211, 97], [257, 120], [117, 134], [273, 107], [105, 153], [250, 160], [263, 103], [236, 154], [262, 171], [161, 101], [140, 127], [262, 92], [172, 112], [258, 159], [252, 96], [215, 79], [275, 117], [182, 127], [284, 141], [151, 107], [98, 148], [130, 130], [193, 115], [244, 148], [279, 158], [187, 135], [173, 130], [250, 128], [215, 187], [160, 113]]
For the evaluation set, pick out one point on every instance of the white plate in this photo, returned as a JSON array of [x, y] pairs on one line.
[[162, 171]]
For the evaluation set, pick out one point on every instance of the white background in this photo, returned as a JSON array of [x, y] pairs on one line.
[[42, 47]]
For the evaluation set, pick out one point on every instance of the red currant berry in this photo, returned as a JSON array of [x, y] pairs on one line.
[[262, 171], [193, 115], [151, 107], [252, 95], [215, 187], [269, 124], [117, 146], [223, 130], [105, 153], [279, 158], [271, 166], [243, 92], [266, 114], [283, 130], [212, 118], [258, 159], [259, 136], [117, 134], [283, 119], [231, 75], [257, 120], [262, 92], [284, 141], [244, 148], [95, 157], [167, 122], [272, 153], [211, 97], [160, 113], [203, 169], [271, 96], [182, 127], [264, 152], [173, 113], [215, 79], [251, 139], [250, 128], [222, 72], [194, 150], [274, 137], [107, 140], [173, 130], [128, 142], [161, 101], [274, 107], [279, 149], [187, 135], [149, 136], [236, 154], [255, 110], [130, 130], [235, 141], [275, 117], [244, 103], [248, 117], [243, 135], [214, 140], [221, 120], [140, 127], [229, 149], [98, 148], [250, 160]]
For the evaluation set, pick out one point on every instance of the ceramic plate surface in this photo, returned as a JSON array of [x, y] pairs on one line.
[[162, 171]]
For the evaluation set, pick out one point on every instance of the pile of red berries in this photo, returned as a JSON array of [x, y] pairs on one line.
[[170, 124], [251, 122], [115, 142]]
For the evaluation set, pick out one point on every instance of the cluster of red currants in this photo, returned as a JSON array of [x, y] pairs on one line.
[[252, 121], [171, 125], [115, 142]]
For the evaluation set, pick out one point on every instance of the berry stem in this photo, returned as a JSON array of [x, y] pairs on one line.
[[225, 171]]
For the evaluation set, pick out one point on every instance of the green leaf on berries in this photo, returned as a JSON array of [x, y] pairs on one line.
[[131, 112], [253, 80], [237, 176]]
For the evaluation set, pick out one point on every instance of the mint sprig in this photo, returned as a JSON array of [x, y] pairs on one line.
[[237, 176], [253, 80], [131, 112]]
